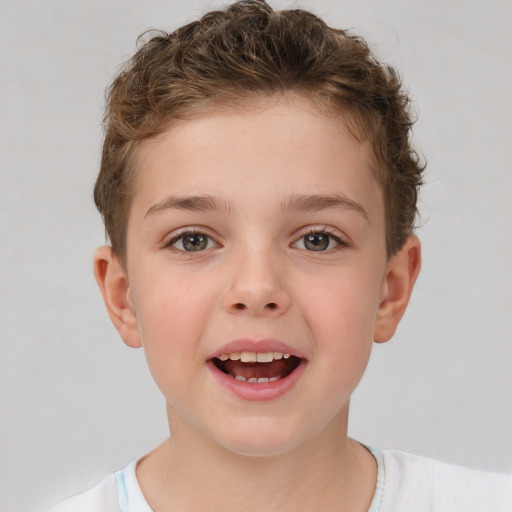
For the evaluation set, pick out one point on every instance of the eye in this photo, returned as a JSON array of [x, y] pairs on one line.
[[192, 242], [319, 241]]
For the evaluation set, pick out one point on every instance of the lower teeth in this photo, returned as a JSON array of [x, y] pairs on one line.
[[253, 380]]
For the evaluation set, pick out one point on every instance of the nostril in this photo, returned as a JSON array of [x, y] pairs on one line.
[[269, 306]]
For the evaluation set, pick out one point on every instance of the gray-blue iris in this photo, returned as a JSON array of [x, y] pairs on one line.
[[316, 241], [195, 242]]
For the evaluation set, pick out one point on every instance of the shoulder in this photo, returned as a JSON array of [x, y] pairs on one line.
[[100, 498], [421, 484]]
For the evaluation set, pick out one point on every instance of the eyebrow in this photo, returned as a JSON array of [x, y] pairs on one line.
[[204, 203], [316, 202]]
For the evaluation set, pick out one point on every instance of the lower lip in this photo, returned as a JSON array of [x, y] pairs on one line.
[[257, 391]]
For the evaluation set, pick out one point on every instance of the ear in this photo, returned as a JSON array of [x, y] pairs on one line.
[[402, 270], [113, 283]]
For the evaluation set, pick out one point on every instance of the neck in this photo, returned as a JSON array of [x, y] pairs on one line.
[[191, 472]]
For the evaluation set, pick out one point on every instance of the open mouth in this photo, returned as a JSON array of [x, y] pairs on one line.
[[257, 367]]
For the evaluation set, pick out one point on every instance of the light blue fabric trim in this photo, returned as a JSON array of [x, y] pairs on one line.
[[379, 488], [129, 494], [121, 491]]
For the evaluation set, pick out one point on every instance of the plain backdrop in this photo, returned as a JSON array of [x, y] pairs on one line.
[[76, 403]]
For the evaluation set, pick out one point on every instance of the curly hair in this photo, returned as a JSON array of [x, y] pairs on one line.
[[250, 51]]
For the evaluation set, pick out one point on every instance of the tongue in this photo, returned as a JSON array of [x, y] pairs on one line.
[[255, 370]]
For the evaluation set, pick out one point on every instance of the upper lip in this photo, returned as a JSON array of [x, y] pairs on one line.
[[258, 346]]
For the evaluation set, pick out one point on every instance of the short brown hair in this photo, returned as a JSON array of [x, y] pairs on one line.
[[246, 51]]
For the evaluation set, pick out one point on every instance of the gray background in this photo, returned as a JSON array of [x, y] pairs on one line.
[[76, 403]]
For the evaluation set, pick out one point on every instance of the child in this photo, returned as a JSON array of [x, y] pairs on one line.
[[259, 191]]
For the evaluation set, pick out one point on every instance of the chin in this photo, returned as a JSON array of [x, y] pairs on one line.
[[260, 449], [255, 442]]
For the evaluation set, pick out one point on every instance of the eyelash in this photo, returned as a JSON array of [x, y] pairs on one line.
[[187, 232], [342, 244], [326, 231]]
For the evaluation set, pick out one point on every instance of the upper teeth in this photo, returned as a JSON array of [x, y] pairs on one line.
[[254, 357]]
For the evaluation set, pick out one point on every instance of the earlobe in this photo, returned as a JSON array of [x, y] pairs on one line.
[[113, 283], [402, 270]]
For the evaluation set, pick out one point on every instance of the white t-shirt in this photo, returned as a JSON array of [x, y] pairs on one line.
[[405, 483]]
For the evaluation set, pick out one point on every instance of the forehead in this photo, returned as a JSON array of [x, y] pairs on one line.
[[259, 152]]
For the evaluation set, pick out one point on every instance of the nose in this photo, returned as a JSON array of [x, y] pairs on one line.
[[256, 287]]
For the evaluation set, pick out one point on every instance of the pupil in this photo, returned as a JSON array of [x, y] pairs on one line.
[[195, 242], [316, 242]]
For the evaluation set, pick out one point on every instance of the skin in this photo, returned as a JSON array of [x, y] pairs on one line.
[[257, 279]]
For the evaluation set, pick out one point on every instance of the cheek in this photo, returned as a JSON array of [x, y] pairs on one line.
[[170, 304], [171, 316], [342, 320], [344, 309]]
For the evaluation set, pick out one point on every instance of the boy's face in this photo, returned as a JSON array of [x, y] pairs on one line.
[[259, 232]]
